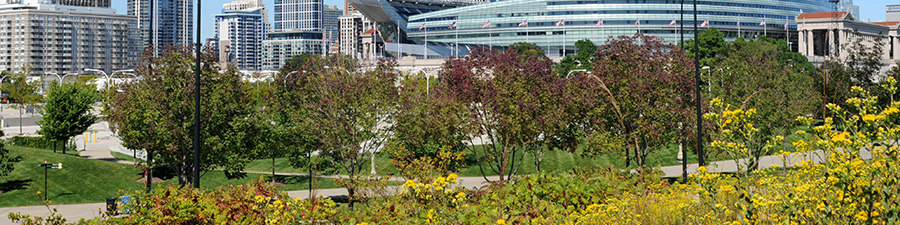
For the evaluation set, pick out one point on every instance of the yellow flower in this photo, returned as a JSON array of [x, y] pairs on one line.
[[890, 111], [363, 223], [862, 216], [501, 222], [842, 137]]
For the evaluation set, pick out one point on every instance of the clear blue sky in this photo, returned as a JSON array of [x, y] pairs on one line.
[[868, 9]]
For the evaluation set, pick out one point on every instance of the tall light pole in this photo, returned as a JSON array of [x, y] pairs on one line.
[[104, 75], [197, 103], [148, 172], [697, 75]]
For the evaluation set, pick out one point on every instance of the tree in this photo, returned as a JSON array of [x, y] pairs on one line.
[[859, 66], [294, 63], [528, 50], [346, 110], [156, 114], [711, 43], [7, 160], [651, 88], [67, 112], [22, 92], [511, 103], [751, 75], [584, 57], [429, 129]]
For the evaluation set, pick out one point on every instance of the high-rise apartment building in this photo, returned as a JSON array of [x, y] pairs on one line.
[[239, 36], [173, 22], [298, 15], [62, 39], [279, 47]]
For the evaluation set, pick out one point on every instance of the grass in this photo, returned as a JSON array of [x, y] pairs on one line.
[[87, 180], [125, 157], [554, 160]]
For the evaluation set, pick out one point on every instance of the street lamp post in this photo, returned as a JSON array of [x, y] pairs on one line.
[[104, 75]]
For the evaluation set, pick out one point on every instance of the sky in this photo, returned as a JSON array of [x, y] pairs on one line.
[[868, 9]]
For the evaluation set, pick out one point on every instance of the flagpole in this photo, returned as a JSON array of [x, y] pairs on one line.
[[425, 51], [456, 40], [739, 27], [765, 30], [399, 52]]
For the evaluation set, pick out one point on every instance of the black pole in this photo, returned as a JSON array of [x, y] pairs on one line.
[[682, 26], [197, 105], [149, 170], [273, 167], [45, 180], [683, 155], [309, 160], [697, 75]]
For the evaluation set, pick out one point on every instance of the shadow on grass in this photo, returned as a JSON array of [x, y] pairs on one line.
[[163, 172], [13, 185]]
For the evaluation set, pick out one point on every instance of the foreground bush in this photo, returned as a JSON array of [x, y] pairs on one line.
[[254, 203]]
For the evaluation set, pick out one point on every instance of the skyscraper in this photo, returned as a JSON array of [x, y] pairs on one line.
[[239, 36], [330, 24], [172, 21], [848, 6], [298, 15]]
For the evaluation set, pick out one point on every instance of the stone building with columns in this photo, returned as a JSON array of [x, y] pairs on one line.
[[829, 34]]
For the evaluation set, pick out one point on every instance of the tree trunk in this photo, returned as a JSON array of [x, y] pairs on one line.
[[504, 160], [20, 120], [64, 148], [54, 146]]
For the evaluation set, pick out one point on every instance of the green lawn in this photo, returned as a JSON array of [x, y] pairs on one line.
[[554, 160], [86, 180]]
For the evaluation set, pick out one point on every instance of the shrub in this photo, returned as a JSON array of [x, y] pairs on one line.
[[38, 142]]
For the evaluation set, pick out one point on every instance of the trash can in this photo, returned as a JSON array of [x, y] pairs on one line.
[[111, 206]]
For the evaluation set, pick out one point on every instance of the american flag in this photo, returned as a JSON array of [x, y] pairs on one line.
[[486, 24], [599, 23], [637, 22], [523, 23], [422, 27], [705, 23], [763, 23], [785, 25], [453, 25], [672, 23], [560, 23]]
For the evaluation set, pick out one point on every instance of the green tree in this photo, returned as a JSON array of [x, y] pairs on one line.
[[752, 75], [7, 160], [429, 129], [528, 50], [22, 92], [343, 110], [156, 114], [67, 112], [295, 63], [712, 41], [584, 57]]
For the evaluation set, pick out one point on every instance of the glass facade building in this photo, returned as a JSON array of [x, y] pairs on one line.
[[555, 25]]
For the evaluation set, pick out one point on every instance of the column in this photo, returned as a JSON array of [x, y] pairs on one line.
[[801, 42], [896, 40]]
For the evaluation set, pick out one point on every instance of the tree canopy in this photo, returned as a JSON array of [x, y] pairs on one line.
[[67, 111]]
